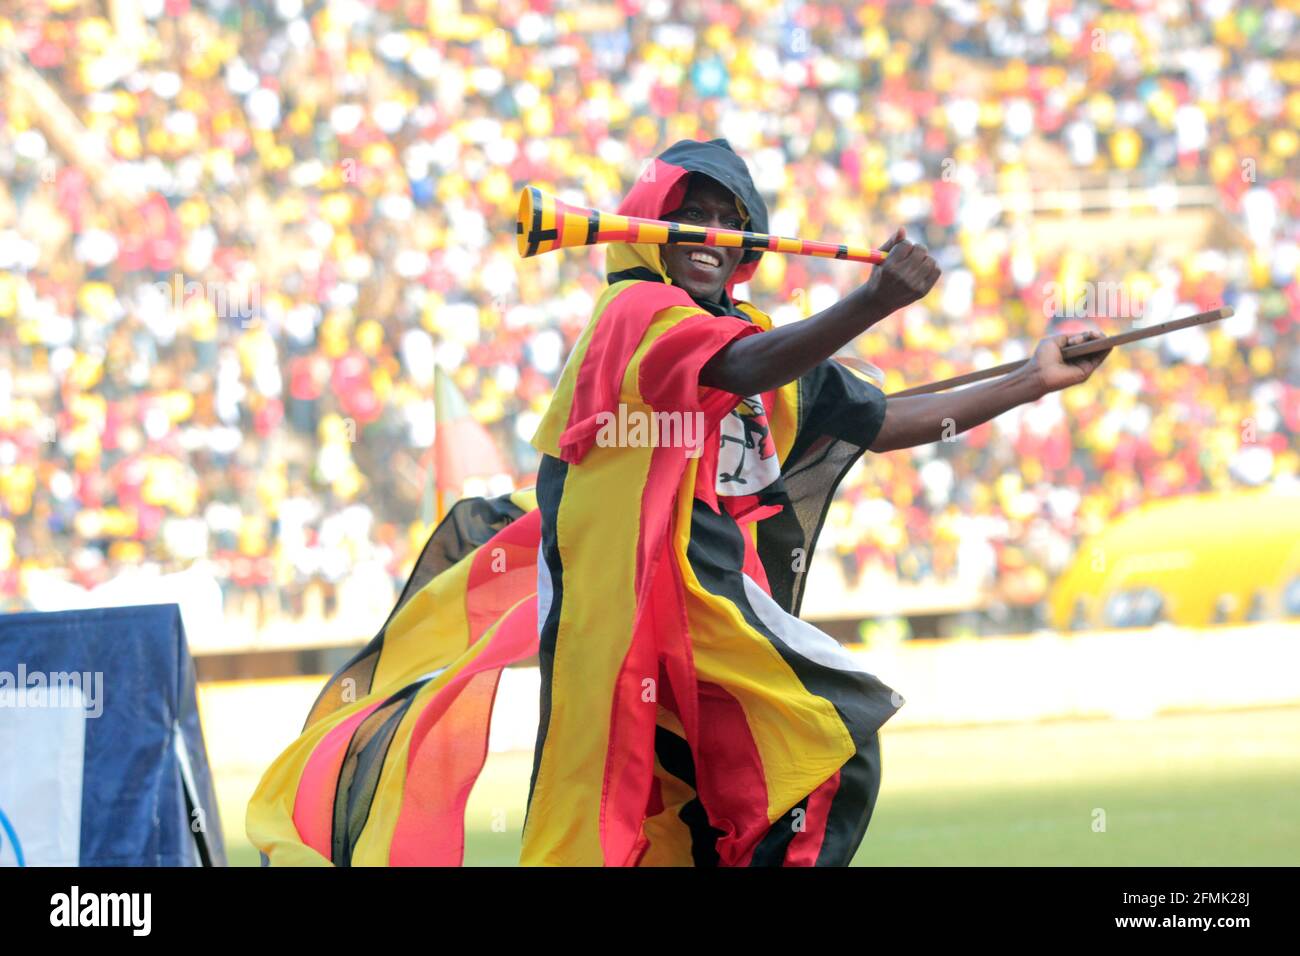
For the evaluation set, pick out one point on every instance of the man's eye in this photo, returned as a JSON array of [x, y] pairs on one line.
[[695, 213]]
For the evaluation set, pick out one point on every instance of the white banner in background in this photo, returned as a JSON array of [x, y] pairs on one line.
[[40, 791], [196, 592]]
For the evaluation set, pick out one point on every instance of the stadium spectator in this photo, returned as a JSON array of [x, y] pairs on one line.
[[238, 368]]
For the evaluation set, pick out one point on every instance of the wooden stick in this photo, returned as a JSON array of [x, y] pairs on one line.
[[1072, 351]]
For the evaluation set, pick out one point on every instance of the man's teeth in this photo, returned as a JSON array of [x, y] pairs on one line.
[[705, 258]]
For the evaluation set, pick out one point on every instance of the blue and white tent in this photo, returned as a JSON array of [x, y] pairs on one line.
[[102, 761]]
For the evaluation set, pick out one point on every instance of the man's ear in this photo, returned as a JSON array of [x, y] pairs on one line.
[[744, 213]]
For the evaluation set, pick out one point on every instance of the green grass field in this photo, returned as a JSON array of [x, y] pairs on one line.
[[1191, 790]]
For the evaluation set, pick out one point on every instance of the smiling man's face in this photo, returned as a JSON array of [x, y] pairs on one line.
[[703, 271]]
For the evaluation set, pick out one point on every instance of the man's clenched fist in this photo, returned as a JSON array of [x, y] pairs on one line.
[[904, 277]]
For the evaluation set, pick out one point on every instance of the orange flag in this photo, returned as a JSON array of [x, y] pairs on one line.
[[462, 448]]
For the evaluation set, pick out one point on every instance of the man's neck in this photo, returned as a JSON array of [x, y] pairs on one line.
[[722, 305]]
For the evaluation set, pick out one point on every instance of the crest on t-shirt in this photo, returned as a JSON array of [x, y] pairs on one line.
[[747, 461]]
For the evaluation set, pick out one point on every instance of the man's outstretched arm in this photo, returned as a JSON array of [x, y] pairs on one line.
[[921, 419], [759, 363]]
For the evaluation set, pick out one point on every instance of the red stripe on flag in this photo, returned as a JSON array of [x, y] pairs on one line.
[[313, 804], [660, 629], [502, 572], [670, 381], [805, 846], [678, 693], [440, 774], [619, 330], [729, 776], [449, 746], [629, 757]]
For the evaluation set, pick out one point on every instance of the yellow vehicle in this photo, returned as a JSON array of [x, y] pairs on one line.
[[1197, 560]]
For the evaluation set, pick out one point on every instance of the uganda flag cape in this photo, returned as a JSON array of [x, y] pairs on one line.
[[688, 717]]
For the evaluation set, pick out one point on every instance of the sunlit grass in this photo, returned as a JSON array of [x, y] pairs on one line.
[[1202, 790]]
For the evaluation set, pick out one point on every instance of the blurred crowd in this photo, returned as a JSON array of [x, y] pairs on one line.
[[234, 365]]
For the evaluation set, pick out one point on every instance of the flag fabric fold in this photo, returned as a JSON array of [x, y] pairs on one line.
[[396, 739]]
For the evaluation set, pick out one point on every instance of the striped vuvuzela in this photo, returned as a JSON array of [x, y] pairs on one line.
[[545, 223]]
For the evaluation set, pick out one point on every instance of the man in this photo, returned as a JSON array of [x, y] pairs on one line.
[[687, 715], [764, 728]]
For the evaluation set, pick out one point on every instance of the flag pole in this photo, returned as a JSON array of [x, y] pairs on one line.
[[435, 474]]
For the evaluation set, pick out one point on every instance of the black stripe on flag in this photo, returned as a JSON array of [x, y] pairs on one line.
[[852, 805], [551, 475], [674, 756], [359, 775], [716, 552]]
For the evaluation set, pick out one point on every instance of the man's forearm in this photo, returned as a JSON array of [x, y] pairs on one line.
[[921, 419], [759, 363]]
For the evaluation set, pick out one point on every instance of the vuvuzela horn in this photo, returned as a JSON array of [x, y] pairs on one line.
[[545, 223]]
